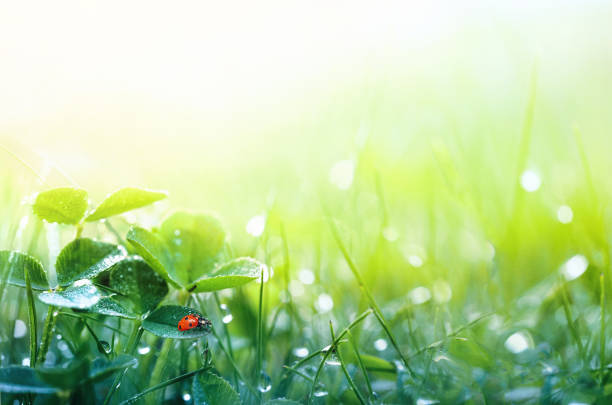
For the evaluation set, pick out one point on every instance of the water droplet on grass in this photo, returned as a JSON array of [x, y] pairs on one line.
[[332, 360], [320, 393], [265, 383], [227, 315], [186, 397], [105, 346], [25, 362]]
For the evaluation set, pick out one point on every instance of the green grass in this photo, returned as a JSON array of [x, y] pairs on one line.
[[434, 277]]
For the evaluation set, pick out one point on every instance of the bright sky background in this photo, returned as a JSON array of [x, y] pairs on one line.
[[77, 77]]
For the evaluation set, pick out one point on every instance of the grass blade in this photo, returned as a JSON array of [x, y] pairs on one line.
[[361, 365], [602, 333], [164, 384], [364, 288], [32, 319]]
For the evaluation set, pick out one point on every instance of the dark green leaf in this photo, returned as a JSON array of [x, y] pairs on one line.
[[65, 376], [210, 389], [153, 250], [232, 274], [282, 401], [123, 200], [63, 205], [196, 244], [101, 368], [81, 295], [19, 380], [16, 263], [135, 279], [86, 258], [164, 321]]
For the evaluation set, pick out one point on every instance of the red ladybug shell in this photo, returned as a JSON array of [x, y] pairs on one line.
[[189, 322]]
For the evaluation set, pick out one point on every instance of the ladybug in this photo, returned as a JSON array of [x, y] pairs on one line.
[[191, 321]]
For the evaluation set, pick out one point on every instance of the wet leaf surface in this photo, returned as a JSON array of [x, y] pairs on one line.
[[164, 321], [123, 200], [62, 205], [16, 263], [210, 389], [86, 258], [232, 274]]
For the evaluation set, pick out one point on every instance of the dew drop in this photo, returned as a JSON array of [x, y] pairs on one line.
[[105, 347], [25, 362], [186, 397], [227, 315], [265, 383], [332, 360]]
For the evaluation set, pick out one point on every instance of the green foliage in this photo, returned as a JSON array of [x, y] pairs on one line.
[[153, 250], [123, 200], [210, 389], [135, 279], [163, 322], [14, 265], [196, 242], [85, 258], [81, 370], [188, 251], [16, 379], [62, 205], [81, 295], [232, 274]]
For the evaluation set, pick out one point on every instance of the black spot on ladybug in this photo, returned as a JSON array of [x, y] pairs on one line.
[[180, 327], [190, 324]]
